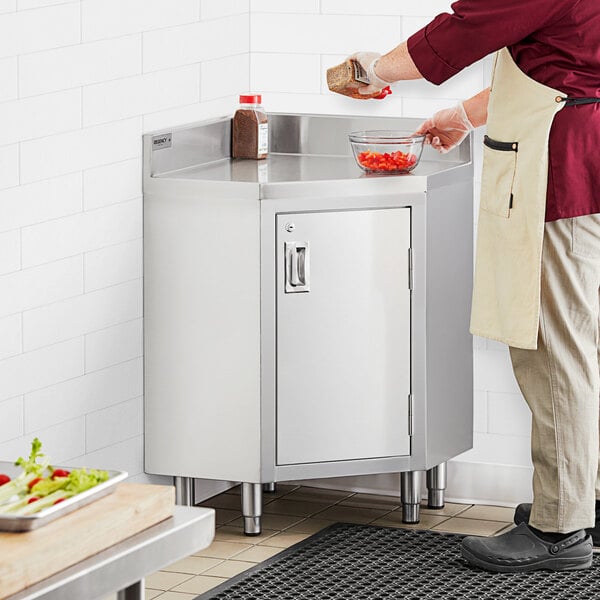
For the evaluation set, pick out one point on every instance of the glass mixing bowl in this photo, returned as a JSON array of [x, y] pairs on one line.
[[385, 151]]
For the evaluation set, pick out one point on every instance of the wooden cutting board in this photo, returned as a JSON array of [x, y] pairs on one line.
[[29, 557]]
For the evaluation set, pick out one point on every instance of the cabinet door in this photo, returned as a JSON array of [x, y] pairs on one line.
[[343, 335]]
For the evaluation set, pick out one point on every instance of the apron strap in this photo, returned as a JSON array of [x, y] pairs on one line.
[[577, 101]]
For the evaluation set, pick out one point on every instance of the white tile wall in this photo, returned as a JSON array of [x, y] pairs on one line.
[[81, 232], [112, 265], [9, 166], [113, 345], [82, 395], [102, 19], [195, 42], [10, 251], [10, 336], [8, 76], [112, 183], [81, 81]]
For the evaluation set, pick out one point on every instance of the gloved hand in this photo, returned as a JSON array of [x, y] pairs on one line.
[[446, 129], [368, 61]]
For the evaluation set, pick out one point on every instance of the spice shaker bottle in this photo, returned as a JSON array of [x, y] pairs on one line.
[[250, 129], [348, 76]]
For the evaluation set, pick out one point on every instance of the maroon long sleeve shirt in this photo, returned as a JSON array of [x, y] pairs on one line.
[[555, 42]]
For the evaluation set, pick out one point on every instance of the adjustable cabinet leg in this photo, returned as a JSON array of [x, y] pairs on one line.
[[133, 592], [410, 488], [436, 484], [269, 488], [251, 507], [184, 491]]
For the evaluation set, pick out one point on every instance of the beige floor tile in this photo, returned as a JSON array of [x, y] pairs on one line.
[[319, 495], [489, 513], [257, 554], [229, 533], [378, 501], [229, 568], [350, 514], [268, 521], [194, 565], [232, 501], [394, 519], [150, 594], [309, 526], [199, 584], [470, 526], [284, 506], [176, 596], [224, 515], [224, 549], [228, 501], [505, 529], [285, 539], [163, 580], [450, 509], [281, 490]]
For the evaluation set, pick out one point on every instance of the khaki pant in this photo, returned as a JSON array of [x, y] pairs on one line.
[[560, 380]]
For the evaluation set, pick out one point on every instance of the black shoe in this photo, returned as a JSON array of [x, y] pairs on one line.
[[523, 512], [520, 550]]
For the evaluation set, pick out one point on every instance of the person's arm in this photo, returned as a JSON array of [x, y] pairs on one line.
[[453, 41], [396, 65], [476, 107], [450, 126]]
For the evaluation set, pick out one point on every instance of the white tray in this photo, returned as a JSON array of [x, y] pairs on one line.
[[46, 515]]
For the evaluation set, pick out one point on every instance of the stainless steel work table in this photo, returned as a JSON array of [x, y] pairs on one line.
[[122, 567], [304, 320]]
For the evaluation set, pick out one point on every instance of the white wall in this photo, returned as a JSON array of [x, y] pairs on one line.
[[80, 81]]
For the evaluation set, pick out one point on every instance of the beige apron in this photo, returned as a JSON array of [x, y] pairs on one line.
[[506, 289]]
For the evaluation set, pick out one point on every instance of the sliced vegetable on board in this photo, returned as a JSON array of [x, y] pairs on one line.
[[39, 485]]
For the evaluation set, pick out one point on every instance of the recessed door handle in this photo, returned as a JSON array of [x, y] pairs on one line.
[[297, 267]]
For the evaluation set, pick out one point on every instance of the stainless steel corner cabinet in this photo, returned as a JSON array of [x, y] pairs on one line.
[[302, 319]]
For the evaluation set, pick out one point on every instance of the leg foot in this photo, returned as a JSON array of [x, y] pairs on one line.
[[436, 485], [270, 488], [251, 507], [184, 491], [410, 487], [133, 592]]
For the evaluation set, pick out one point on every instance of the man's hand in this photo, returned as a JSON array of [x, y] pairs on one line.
[[368, 61], [446, 129]]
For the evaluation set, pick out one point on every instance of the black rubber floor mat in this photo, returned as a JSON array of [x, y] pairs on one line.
[[365, 562]]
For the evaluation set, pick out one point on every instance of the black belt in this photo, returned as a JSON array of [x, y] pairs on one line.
[[577, 101]]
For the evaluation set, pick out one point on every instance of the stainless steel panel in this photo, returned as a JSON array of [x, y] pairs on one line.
[[307, 135], [125, 564], [29, 522], [343, 350]]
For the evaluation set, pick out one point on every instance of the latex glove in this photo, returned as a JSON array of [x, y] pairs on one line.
[[446, 129], [368, 61]]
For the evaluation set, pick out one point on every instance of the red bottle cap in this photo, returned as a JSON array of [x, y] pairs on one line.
[[250, 99]]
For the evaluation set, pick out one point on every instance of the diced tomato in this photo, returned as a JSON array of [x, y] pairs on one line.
[[60, 473], [387, 162], [59, 500], [34, 481], [4, 478], [34, 499]]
